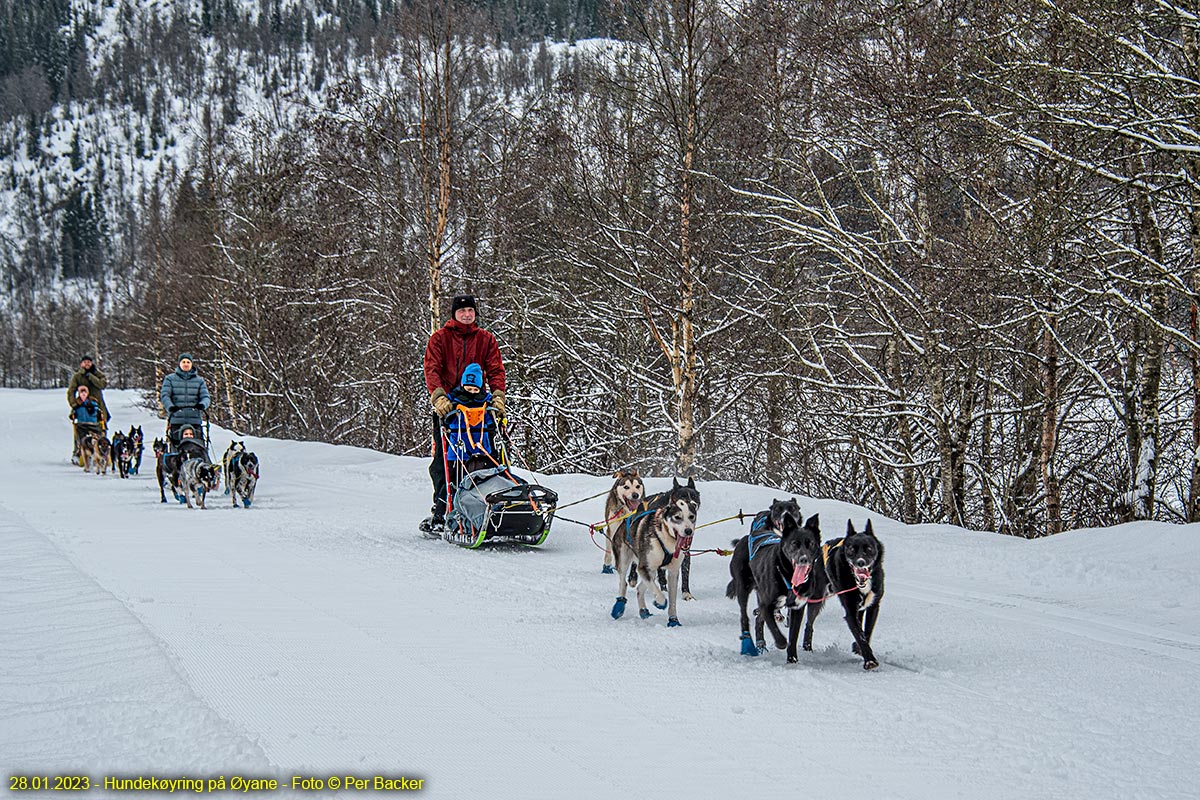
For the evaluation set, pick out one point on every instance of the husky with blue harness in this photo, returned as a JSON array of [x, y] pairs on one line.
[[779, 559], [657, 537]]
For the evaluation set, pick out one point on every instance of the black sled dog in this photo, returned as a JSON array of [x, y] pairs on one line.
[[122, 449], [165, 467], [137, 447], [854, 565], [779, 559], [656, 538]]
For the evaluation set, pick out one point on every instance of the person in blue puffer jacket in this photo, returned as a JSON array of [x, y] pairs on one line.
[[184, 395]]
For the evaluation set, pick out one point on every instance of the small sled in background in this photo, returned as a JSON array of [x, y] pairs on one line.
[[486, 501]]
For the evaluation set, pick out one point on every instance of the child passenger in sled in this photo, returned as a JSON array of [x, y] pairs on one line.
[[86, 411], [470, 392], [87, 416], [190, 443], [470, 426]]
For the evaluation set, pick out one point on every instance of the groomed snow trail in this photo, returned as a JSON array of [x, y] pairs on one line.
[[316, 634]]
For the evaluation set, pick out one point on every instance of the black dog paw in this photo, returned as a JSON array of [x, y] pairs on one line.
[[807, 648], [792, 659], [870, 663]]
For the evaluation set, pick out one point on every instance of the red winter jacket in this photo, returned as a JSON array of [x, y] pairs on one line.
[[452, 347]]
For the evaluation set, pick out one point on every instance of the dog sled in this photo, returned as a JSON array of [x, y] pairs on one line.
[[183, 443], [486, 500]]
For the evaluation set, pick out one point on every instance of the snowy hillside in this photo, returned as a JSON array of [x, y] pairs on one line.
[[315, 634]]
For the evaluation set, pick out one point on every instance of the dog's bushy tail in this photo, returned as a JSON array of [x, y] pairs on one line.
[[731, 590]]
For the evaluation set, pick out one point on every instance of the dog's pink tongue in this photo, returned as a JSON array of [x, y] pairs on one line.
[[800, 574], [862, 575]]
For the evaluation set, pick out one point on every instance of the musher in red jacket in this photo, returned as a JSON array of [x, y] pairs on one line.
[[451, 348]]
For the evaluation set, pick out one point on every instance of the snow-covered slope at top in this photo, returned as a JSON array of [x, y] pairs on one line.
[[316, 634]]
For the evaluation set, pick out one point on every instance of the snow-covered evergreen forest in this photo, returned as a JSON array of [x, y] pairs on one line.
[[939, 259]]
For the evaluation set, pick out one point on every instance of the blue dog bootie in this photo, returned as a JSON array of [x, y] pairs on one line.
[[618, 608], [608, 570], [659, 607], [673, 622], [645, 613], [748, 648]]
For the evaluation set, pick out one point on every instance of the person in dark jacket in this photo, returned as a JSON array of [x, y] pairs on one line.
[[451, 349], [184, 395], [91, 377]]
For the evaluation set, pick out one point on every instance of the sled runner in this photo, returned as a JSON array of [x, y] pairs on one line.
[[487, 501]]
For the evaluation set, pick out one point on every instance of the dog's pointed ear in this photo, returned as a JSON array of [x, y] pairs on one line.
[[691, 483], [869, 530], [850, 527], [814, 522], [674, 482], [617, 474]]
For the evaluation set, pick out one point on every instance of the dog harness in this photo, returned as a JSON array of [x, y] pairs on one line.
[[682, 543], [757, 541], [827, 548], [629, 524], [471, 438]]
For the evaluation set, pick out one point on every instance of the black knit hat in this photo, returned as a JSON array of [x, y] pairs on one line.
[[87, 358], [462, 301]]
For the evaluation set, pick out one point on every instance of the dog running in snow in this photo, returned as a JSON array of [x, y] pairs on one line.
[[197, 478], [779, 559], [624, 498], [87, 450], [855, 562], [653, 539], [685, 570], [241, 477], [163, 470], [97, 453], [136, 448], [235, 449], [122, 450]]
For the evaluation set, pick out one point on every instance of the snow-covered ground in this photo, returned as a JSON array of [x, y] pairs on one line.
[[315, 634]]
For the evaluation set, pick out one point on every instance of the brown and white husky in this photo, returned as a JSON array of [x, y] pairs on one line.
[[626, 495]]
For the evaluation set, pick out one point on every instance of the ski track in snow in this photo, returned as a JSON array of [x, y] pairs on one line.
[[317, 634]]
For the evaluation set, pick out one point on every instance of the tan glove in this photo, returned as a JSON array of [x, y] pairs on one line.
[[498, 403], [441, 403]]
